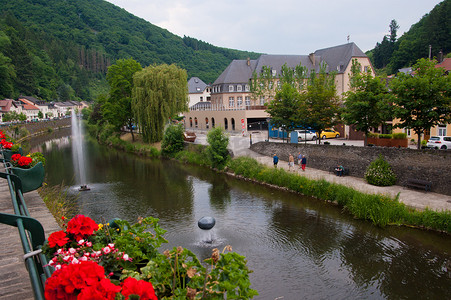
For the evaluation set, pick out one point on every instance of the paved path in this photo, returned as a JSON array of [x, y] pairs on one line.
[[414, 198], [14, 279]]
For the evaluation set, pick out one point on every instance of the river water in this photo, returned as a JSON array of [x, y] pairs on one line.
[[298, 247]]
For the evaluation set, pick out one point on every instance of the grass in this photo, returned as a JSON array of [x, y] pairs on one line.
[[59, 202], [381, 210]]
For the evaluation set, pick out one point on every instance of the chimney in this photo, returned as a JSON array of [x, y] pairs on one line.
[[312, 58], [248, 61]]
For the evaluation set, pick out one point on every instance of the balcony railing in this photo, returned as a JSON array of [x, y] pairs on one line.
[[221, 107]]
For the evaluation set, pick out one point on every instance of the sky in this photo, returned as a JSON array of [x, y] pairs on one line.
[[281, 26]]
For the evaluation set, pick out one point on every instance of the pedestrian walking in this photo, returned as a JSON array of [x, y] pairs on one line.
[[290, 163], [299, 159], [303, 162], [275, 160]]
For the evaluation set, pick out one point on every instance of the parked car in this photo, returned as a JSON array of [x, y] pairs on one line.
[[439, 142], [306, 135], [329, 133]]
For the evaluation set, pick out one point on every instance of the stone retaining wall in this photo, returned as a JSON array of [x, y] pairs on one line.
[[37, 127], [431, 165]]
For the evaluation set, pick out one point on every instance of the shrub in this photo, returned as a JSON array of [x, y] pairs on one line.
[[106, 132], [172, 140], [385, 136], [399, 135], [217, 150], [372, 135], [380, 173]]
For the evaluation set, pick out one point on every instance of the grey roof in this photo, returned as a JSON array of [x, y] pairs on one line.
[[196, 85], [277, 61], [238, 71], [339, 56], [201, 105]]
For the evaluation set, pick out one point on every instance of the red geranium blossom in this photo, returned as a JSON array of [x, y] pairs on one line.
[[58, 238], [15, 157], [79, 279], [81, 226], [142, 288], [5, 144], [24, 161]]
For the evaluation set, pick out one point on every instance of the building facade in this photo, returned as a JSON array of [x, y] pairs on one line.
[[232, 104]]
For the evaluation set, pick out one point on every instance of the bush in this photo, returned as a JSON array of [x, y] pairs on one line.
[[372, 135], [399, 135], [380, 173], [106, 132], [172, 140], [217, 150], [385, 136]]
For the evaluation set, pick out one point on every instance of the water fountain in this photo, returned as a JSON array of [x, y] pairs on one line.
[[207, 223], [77, 152]]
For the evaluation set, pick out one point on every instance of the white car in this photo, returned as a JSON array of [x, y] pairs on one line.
[[439, 142], [306, 135]]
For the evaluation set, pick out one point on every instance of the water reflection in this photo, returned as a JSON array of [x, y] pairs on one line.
[[298, 247]]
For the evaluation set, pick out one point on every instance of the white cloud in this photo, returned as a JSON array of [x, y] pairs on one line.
[[281, 26]]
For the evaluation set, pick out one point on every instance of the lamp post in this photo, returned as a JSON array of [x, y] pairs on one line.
[[267, 122]]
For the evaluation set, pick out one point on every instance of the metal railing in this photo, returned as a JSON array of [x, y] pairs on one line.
[[31, 234]]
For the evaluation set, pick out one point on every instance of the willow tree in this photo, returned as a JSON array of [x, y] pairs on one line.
[[159, 92]]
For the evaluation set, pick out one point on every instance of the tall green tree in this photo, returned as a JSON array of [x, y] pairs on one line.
[[217, 148], [159, 92], [424, 99], [118, 107], [367, 103], [320, 101], [284, 109]]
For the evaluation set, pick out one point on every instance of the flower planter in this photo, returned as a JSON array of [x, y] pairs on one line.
[[7, 153], [32, 178], [388, 142]]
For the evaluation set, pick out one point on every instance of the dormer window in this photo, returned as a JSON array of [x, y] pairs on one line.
[[247, 88], [274, 73], [198, 89], [239, 88], [230, 88]]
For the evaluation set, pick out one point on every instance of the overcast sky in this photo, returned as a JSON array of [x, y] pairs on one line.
[[281, 26]]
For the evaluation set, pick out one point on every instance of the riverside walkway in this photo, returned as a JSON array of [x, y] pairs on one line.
[[417, 199], [14, 279]]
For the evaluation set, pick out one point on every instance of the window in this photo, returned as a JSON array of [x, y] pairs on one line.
[[441, 130], [231, 102], [365, 69], [247, 88], [274, 73], [248, 100], [239, 88], [201, 98], [230, 88], [198, 89], [262, 100], [190, 122], [195, 122], [239, 101]]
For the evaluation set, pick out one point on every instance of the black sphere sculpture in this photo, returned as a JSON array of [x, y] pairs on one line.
[[206, 223]]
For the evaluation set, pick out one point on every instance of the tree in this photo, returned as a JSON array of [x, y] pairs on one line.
[[217, 148], [117, 108], [424, 99], [40, 115], [367, 104], [158, 93], [284, 108], [173, 141], [320, 101]]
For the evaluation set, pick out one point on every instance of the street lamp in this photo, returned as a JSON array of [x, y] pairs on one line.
[[267, 123]]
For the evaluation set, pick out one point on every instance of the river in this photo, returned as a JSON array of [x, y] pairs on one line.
[[298, 247]]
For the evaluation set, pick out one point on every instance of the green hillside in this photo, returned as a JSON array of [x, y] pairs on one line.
[[55, 49], [433, 29]]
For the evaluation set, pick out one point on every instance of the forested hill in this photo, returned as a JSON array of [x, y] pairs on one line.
[[433, 29], [55, 48]]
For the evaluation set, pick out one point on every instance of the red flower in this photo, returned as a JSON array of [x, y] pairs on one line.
[[142, 288], [16, 157], [81, 227], [24, 161], [58, 238], [6, 145], [71, 280], [105, 289]]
